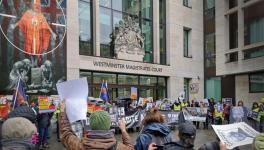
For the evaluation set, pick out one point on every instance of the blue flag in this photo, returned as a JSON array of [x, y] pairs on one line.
[[104, 92], [19, 95]]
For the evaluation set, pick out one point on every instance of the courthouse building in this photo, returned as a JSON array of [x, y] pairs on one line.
[[204, 48]]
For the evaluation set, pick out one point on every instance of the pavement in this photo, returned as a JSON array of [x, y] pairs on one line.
[[202, 136]]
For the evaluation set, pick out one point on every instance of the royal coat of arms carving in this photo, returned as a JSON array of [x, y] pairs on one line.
[[128, 40]]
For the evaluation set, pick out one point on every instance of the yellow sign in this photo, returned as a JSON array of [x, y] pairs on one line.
[[43, 102]]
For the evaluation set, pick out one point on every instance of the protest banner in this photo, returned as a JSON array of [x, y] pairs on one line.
[[75, 94], [45, 106], [4, 107], [195, 114], [234, 135]]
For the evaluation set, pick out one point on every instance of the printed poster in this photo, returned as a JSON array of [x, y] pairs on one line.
[[234, 135], [33, 45], [45, 106]]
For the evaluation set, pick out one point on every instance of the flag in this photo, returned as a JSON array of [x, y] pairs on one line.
[[19, 95], [104, 91]]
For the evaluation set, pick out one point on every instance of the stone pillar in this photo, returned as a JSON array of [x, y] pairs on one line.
[[72, 40], [240, 17], [156, 42], [96, 28]]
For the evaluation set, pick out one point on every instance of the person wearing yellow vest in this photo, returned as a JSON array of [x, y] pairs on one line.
[[184, 104], [56, 117], [176, 106], [261, 115], [218, 111], [253, 120]]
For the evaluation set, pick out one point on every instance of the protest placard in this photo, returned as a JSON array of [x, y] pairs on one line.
[[4, 107], [133, 93], [253, 115], [44, 105], [195, 113], [75, 94], [234, 135]]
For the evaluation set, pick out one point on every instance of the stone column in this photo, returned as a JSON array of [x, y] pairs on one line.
[[72, 40], [156, 42], [96, 27]]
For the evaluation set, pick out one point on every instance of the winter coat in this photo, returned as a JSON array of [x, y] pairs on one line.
[[25, 112], [44, 120], [149, 131], [95, 140]]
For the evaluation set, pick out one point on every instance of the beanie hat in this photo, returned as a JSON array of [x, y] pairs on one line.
[[187, 128], [259, 142], [18, 127], [100, 120]]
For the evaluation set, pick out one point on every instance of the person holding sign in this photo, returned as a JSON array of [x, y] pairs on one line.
[[99, 137]]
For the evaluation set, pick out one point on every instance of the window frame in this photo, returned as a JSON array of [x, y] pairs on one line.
[[187, 3], [249, 83], [186, 52]]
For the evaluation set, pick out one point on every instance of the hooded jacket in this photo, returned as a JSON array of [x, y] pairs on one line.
[[149, 131], [96, 139]]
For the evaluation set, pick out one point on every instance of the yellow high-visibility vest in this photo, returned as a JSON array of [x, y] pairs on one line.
[[176, 108], [183, 105]]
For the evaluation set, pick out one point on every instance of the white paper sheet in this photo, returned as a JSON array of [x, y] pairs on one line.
[[75, 93], [234, 135]]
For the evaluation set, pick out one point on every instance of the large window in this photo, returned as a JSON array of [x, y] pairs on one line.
[[113, 11], [208, 4], [85, 27], [254, 53], [187, 3], [210, 50], [213, 88], [120, 84], [256, 82], [186, 42], [254, 23], [232, 57], [162, 31], [233, 31], [232, 3], [186, 88]]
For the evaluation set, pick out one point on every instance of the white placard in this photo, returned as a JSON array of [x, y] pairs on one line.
[[234, 135], [75, 93]]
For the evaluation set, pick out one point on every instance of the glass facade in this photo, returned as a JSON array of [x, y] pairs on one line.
[[254, 23], [85, 28], [120, 84], [162, 31], [233, 30], [186, 88], [213, 88], [113, 11], [256, 82], [254, 53]]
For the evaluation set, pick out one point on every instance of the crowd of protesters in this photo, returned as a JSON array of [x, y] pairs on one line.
[[26, 129]]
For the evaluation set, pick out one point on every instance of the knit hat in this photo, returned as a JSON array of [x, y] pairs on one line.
[[18, 127], [259, 142], [100, 120], [187, 128]]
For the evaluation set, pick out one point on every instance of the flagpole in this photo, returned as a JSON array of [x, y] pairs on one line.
[[14, 104]]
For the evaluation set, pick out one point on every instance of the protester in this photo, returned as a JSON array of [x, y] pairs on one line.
[[195, 104], [218, 114], [205, 105], [184, 104], [238, 113], [261, 115], [43, 124], [176, 106], [187, 134], [24, 111], [100, 137], [19, 133], [211, 109], [227, 112], [56, 118], [154, 130], [253, 122]]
